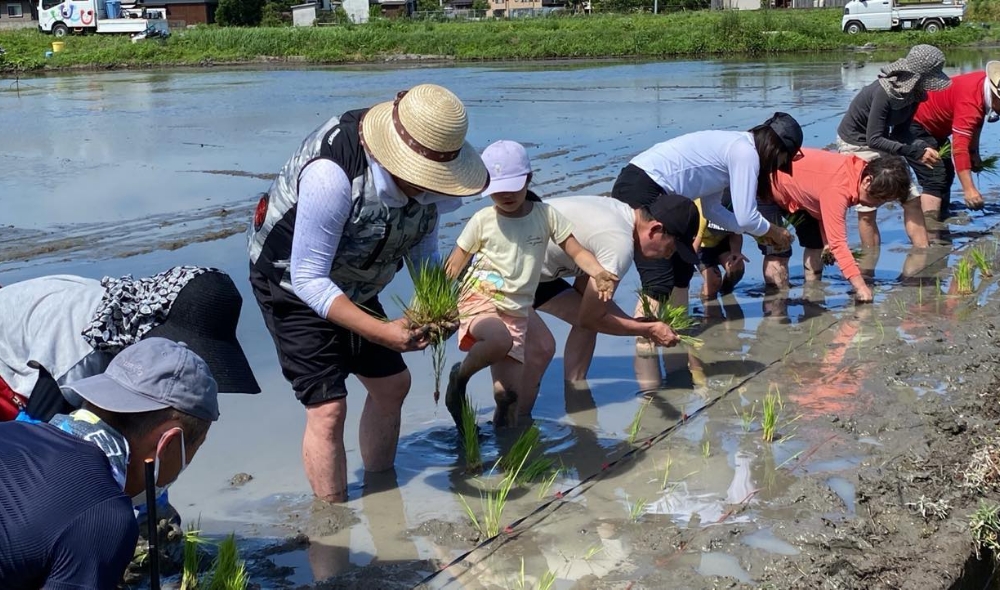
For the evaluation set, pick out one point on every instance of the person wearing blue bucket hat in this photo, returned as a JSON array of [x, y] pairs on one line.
[[68, 483]]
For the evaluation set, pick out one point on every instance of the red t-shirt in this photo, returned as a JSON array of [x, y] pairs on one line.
[[959, 111], [825, 184]]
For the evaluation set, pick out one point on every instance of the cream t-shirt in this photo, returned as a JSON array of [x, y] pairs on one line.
[[510, 252]]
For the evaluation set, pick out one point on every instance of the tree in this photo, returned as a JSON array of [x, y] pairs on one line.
[[480, 5], [239, 13]]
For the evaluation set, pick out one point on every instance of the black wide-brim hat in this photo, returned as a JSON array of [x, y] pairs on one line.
[[204, 317]]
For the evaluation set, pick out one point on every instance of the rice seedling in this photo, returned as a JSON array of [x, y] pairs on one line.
[[706, 449], [591, 552], [666, 472], [984, 524], [545, 582], [900, 306], [434, 306], [794, 219], [192, 557], [547, 483], [990, 165], [772, 412], [517, 456], [636, 509], [537, 470], [493, 503], [857, 254], [963, 276], [945, 150], [980, 261], [747, 417], [228, 570], [636, 424], [470, 438], [675, 316], [812, 335], [881, 330]]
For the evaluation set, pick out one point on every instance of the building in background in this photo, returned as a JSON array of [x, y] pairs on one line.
[[17, 14]]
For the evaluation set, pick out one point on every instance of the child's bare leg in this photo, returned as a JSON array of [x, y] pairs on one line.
[[493, 342], [812, 263], [508, 376], [711, 282]]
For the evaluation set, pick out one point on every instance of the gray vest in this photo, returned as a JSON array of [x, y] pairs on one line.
[[376, 237]]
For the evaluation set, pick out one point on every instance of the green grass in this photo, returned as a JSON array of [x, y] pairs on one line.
[[963, 275], [470, 439], [984, 524], [675, 316], [596, 36]]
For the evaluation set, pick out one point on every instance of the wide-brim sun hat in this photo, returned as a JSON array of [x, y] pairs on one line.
[[993, 74], [420, 138], [204, 316], [927, 62]]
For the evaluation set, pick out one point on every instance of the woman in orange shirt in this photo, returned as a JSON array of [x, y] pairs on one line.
[[825, 186]]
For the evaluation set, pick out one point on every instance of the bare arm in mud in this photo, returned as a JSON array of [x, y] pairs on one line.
[[606, 317], [605, 281]]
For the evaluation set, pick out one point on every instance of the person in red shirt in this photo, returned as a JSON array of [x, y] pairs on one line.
[[825, 186], [958, 112]]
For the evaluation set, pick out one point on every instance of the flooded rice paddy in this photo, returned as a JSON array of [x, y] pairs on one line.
[[133, 172]]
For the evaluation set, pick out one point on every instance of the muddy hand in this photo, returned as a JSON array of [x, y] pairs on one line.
[[606, 282], [974, 200], [661, 334], [401, 336]]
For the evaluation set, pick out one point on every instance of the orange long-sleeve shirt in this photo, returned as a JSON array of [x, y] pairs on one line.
[[825, 185], [958, 111]]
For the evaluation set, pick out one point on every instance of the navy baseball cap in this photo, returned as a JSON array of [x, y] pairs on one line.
[[154, 374], [679, 217], [790, 133]]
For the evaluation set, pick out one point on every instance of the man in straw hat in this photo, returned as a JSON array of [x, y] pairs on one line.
[[66, 520], [364, 191], [877, 123], [957, 113]]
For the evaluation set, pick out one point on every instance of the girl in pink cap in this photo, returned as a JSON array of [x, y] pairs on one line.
[[506, 244]]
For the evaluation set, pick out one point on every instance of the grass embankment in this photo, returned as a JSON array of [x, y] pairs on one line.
[[595, 36]]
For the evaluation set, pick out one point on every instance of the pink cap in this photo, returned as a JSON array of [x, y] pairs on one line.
[[508, 165]]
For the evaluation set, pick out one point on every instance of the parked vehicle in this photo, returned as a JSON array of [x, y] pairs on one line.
[[83, 16], [890, 15]]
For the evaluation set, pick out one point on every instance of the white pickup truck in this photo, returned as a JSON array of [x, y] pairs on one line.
[[890, 15], [60, 17]]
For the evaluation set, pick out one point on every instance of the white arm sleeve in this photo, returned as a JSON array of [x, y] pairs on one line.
[[744, 164], [323, 209]]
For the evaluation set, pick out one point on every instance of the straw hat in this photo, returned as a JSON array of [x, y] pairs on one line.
[[420, 138], [993, 73]]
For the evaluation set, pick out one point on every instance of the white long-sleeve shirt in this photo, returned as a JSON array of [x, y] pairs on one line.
[[703, 165], [324, 208]]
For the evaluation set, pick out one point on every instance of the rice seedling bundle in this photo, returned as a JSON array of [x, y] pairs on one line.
[[945, 150], [434, 307], [990, 165], [963, 276], [470, 438], [981, 261], [794, 219], [675, 316]]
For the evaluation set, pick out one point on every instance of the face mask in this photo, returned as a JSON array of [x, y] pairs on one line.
[[140, 499]]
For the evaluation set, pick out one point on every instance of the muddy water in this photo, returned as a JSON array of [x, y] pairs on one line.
[[106, 169]]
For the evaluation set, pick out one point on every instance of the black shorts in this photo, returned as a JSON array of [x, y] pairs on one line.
[[807, 231], [659, 276], [936, 180], [317, 356], [708, 256], [547, 290]]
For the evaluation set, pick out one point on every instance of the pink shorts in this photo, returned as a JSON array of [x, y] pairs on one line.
[[476, 305]]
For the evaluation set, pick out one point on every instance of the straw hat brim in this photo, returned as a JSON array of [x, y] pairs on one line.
[[464, 176], [993, 73]]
